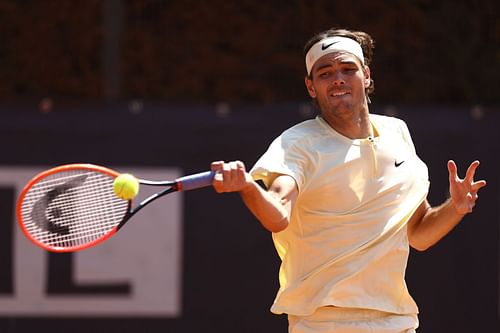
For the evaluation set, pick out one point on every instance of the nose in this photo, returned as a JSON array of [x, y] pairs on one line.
[[338, 79]]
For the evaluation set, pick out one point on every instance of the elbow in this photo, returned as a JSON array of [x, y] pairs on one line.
[[276, 230], [419, 240], [277, 226], [420, 245], [420, 248]]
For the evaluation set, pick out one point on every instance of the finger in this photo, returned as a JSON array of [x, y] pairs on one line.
[[241, 171], [233, 165], [477, 185], [240, 165], [240, 174], [217, 180], [233, 170], [218, 177], [226, 171], [216, 166], [471, 170], [452, 170], [471, 206]]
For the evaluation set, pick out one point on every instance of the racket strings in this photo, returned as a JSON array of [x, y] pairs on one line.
[[72, 208]]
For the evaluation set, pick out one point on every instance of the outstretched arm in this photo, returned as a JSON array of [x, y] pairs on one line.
[[429, 224], [272, 208]]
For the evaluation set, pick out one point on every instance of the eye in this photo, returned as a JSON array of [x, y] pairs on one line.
[[350, 70], [324, 75]]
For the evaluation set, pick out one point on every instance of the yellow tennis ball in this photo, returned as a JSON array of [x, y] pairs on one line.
[[126, 186]]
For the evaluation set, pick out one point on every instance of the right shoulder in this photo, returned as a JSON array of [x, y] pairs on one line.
[[288, 154], [301, 133]]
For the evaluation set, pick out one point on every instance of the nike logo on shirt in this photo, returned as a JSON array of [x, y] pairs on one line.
[[397, 164]]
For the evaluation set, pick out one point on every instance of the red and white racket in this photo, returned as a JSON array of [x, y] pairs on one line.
[[73, 207]]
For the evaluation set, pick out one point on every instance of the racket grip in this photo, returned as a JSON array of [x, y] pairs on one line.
[[195, 181]]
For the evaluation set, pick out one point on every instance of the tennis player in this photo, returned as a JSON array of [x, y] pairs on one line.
[[345, 197]]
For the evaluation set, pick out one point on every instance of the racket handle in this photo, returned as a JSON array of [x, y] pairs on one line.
[[195, 181]]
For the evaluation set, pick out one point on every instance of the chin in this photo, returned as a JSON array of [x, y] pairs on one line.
[[341, 108]]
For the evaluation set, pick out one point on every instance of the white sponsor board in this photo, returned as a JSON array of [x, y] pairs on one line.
[[146, 255]]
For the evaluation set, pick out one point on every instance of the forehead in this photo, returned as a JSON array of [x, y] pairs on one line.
[[336, 58]]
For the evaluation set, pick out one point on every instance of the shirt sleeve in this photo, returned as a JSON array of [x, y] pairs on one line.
[[282, 158], [421, 167], [405, 132]]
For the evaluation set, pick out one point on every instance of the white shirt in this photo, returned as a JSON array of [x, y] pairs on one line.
[[346, 244]]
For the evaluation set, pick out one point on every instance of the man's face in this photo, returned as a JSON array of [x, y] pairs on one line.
[[338, 82]]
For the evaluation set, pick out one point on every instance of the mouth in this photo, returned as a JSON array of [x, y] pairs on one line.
[[339, 93]]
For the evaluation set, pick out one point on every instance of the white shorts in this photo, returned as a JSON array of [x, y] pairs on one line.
[[340, 320]]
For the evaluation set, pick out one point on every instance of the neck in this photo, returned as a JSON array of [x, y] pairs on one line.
[[355, 125]]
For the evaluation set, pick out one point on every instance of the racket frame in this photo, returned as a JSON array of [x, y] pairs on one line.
[[184, 183], [47, 173]]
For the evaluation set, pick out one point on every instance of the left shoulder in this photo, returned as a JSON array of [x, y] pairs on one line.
[[382, 119], [387, 124]]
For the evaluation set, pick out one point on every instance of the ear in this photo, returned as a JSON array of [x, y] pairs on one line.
[[310, 87], [367, 75]]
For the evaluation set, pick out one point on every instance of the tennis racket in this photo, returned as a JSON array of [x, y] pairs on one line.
[[73, 207]]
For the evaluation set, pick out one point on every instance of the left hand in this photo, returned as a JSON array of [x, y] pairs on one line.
[[463, 192]]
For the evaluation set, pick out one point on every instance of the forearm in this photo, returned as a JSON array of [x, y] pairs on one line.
[[433, 225], [272, 212], [272, 208]]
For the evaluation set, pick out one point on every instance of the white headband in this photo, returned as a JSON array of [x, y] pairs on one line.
[[330, 45]]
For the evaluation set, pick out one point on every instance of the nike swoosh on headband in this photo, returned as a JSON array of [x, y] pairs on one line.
[[330, 45], [324, 47]]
